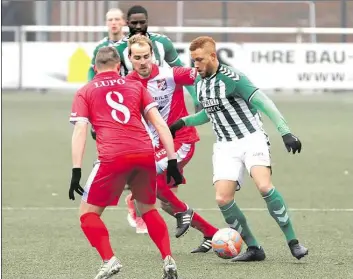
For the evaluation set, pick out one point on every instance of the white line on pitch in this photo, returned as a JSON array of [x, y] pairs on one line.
[[196, 209]]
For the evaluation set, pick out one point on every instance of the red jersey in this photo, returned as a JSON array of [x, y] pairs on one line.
[[114, 105], [166, 87]]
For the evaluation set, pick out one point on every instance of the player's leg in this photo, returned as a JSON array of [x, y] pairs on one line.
[[97, 196], [131, 215], [143, 187], [184, 215], [169, 201], [176, 208], [228, 171], [258, 163]]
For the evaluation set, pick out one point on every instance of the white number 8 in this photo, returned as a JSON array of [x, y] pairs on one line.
[[118, 106]]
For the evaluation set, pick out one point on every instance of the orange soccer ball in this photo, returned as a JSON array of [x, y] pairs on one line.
[[227, 243]]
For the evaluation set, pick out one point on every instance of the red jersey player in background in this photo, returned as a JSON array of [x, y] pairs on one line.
[[114, 105], [166, 87]]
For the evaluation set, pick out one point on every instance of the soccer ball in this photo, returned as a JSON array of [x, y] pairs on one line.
[[227, 243]]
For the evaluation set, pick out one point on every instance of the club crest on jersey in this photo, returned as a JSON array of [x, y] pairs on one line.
[[162, 84]]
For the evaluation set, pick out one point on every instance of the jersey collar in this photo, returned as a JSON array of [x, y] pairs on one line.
[[107, 74], [211, 77]]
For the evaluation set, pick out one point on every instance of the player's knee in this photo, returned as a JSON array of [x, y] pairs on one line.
[[225, 190], [144, 208], [224, 199], [264, 188]]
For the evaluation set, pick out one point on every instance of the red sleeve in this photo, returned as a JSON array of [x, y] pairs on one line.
[[79, 111], [147, 101], [184, 76]]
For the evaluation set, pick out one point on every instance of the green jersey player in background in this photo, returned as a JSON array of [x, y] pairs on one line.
[[115, 22], [232, 104], [164, 51]]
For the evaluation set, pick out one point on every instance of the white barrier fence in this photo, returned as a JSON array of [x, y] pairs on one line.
[[63, 65]]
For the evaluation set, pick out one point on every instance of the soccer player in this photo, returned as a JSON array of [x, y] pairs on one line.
[[232, 104], [114, 105], [166, 87], [115, 22], [164, 52]]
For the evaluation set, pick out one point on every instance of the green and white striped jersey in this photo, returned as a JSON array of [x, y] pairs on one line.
[[102, 43], [164, 52], [226, 96]]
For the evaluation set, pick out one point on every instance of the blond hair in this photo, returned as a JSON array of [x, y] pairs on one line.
[[107, 58], [203, 42], [113, 10], [140, 40]]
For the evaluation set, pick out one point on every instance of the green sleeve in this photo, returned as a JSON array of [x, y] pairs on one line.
[[171, 55], [242, 87], [91, 72], [264, 104], [196, 119], [192, 92]]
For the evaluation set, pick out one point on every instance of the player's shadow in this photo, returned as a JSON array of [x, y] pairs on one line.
[[269, 262]]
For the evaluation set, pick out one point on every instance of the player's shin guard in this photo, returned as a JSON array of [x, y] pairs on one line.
[[278, 211], [97, 234], [235, 218], [158, 231]]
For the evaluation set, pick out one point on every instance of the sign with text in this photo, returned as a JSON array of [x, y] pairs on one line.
[[269, 66]]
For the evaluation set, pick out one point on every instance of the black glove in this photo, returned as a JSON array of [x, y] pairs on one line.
[[93, 133], [177, 125], [75, 183], [173, 171], [292, 143]]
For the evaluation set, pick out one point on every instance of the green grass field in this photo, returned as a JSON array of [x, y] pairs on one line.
[[41, 236]]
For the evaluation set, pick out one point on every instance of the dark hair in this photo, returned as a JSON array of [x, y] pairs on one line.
[[136, 10]]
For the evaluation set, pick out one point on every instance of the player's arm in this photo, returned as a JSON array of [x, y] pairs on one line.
[[79, 117], [91, 71], [154, 117], [245, 89], [197, 119], [263, 103], [78, 143], [173, 59], [186, 77], [151, 113]]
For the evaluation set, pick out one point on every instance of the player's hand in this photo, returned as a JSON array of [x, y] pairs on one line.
[[93, 133], [177, 125], [174, 172], [75, 183], [292, 143]]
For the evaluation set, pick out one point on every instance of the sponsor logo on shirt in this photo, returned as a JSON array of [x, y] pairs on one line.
[[211, 105], [162, 84]]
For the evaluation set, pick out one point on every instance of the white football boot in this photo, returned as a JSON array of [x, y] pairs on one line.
[[169, 268], [109, 269], [141, 227]]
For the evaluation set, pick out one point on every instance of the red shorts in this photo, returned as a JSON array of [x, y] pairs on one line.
[[108, 179], [184, 152]]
